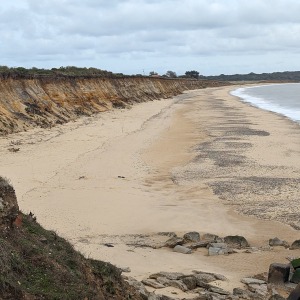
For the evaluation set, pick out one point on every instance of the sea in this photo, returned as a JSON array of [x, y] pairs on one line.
[[280, 98]]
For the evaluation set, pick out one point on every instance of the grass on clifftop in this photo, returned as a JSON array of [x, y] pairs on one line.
[[37, 264]]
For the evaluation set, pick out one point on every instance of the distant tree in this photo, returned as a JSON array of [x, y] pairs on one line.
[[152, 73], [171, 74], [192, 74]]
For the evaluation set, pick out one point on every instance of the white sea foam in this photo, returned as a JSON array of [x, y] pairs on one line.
[[267, 103]]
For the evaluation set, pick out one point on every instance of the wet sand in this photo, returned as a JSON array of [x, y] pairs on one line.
[[203, 161]]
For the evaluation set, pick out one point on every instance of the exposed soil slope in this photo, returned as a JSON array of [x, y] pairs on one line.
[[26, 103]]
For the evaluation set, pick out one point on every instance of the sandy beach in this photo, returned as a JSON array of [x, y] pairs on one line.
[[203, 161]]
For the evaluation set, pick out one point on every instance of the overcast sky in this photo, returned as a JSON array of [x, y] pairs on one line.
[[139, 36]]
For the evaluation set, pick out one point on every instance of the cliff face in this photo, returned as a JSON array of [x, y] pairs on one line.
[[45, 102]]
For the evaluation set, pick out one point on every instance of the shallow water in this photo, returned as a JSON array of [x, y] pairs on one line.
[[280, 98]]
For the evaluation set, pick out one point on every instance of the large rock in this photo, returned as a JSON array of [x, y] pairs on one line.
[[250, 280], [276, 297], [139, 287], [9, 208], [277, 242], [204, 277], [218, 249], [174, 241], [295, 245], [278, 273], [192, 236], [152, 283], [236, 241], [190, 282], [168, 275], [212, 238], [295, 294], [181, 249]]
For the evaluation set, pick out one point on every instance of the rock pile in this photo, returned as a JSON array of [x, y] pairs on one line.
[[204, 285], [215, 244]]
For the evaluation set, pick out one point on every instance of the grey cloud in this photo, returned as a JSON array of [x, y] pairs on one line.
[[166, 33]]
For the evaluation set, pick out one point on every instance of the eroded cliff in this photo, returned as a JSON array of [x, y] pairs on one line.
[[47, 101]]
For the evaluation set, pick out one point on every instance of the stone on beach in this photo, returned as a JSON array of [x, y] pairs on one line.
[[236, 241], [174, 241], [295, 245], [277, 242], [218, 249], [192, 236], [278, 273], [182, 249]]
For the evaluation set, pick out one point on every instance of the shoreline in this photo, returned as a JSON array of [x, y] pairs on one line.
[[263, 104], [127, 175]]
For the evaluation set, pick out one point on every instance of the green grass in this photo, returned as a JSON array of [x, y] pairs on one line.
[[38, 263]]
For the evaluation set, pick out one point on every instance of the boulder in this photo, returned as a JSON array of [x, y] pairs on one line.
[[218, 249], [259, 289], [192, 236], [249, 280], [212, 238], [181, 249], [236, 241], [214, 275], [277, 242], [278, 273], [9, 208], [174, 241], [218, 290], [152, 283], [204, 277], [168, 275], [201, 244], [190, 282], [295, 245], [139, 287], [295, 294], [276, 297]]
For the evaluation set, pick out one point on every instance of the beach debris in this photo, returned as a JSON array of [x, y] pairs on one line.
[[121, 177], [32, 217], [192, 236], [108, 245], [13, 149], [81, 177], [277, 242], [295, 245], [182, 249], [278, 273], [236, 241]]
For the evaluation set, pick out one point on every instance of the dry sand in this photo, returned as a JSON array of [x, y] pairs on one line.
[[180, 165]]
